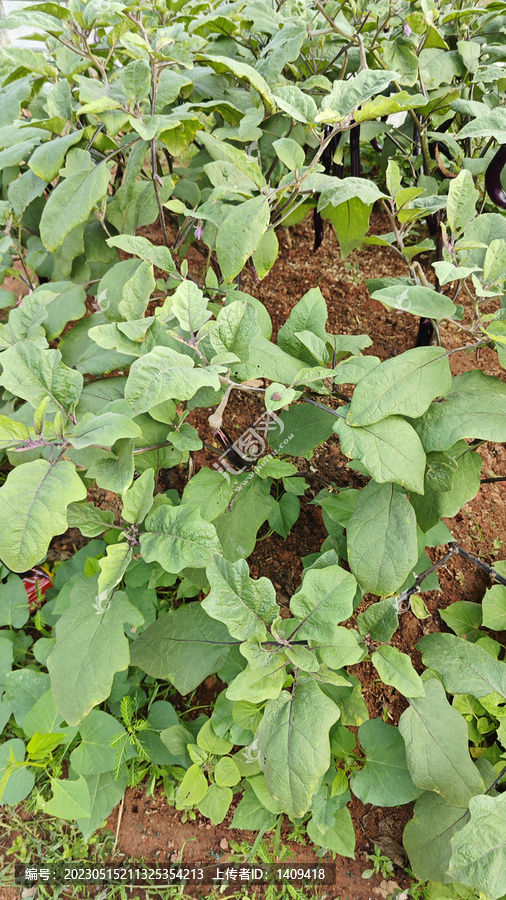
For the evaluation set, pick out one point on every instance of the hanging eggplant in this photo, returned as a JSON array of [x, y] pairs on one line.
[[355, 163], [493, 184], [331, 168]]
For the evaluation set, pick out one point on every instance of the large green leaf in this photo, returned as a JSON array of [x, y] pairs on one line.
[[105, 793], [396, 668], [21, 778], [91, 646], [183, 647], [95, 753], [242, 71], [458, 468], [427, 835], [33, 505], [385, 779], [382, 543], [210, 490], [405, 386], [70, 204], [14, 609], [237, 326], [177, 537], [164, 374], [309, 314], [293, 742], [306, 426], [390, 449], [478, 849], [417, 300], [240, 235], [461, 204], [103, 430], [438, 758], [33, 374], [324, 599], [237, 527], [47, 160], [70, 800], [244, 605], [464, 667], [474, 408]]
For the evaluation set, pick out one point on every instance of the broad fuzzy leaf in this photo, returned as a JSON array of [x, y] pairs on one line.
[[33, 374], [164, 374], [464, 667], [385, 779], [177, 537], [294, 745], [244, 605]]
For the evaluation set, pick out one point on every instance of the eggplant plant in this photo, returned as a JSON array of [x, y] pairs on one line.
[[210, 126]]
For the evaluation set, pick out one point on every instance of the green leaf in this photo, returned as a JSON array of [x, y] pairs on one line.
[[494, 607], [437, 752], [103, 430], [399, 55], [427, 835], [189, 306], [237, 527], [478, 856], [33, 505], [90, 520], [255, 685], [380, 620], [293, 742], [464, 618], [351, 222], [386, 106], [307, 426], [390, 449], [138, 499], [240, 235], [47, 160], [216, 803], [164, 374], [137, 291], [224, 150], [251, 813], [12, 432], [159, 255], [382, 543], [183, 647], [417, 300], [284, 514], [347, 94], [487, 124], [290, 153], [296, 103], [464, 667], [95, 753], [32, 373], [14, 609], [474, 408], [462, 198], [112, 568], [105, 793], [465, 484], [178, 537], [71, 203], [264, 258], [385, 779], [244, 605], [405, 385], [192, 789], [237, 326], [21, 780], [241, 70], [309, 314], [339, 839], [70, 800], [91, 646], [210, 491], [324, 599], [396, 668]]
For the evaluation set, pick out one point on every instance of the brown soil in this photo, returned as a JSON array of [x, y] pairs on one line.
[[150, 828]]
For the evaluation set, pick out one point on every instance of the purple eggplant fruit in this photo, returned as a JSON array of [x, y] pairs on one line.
[[355, 163], [493, 184]]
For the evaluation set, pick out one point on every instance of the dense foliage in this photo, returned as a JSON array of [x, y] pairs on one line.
[[222, 122]]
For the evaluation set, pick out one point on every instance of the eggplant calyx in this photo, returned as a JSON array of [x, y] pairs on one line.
[[493, 184]]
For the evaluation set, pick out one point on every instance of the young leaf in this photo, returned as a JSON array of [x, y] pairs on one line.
[[382, 543], [138, 499], [427, 835], [294, 746], [324, 599], [417, 300], [462, 197]]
